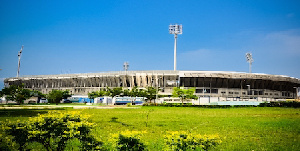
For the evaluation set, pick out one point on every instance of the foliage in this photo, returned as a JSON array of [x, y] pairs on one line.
[[294, 104], [37, 93], [151, 93], [241, 128], [126, 92], [134, 92], [95, 94], [128, 104], [182, 140], [184, 94], [52, 130], [128, 140], [142, 93], [55, 96], [66, 94], [115, 91], [16, 93]]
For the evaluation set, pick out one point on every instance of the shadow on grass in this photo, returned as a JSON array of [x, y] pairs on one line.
[[115, 120], [24, 112]]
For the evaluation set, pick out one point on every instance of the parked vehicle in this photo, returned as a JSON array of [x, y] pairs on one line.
[[43, 100], [67, 101]]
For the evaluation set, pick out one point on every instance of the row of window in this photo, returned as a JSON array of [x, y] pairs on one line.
[[254, 92]]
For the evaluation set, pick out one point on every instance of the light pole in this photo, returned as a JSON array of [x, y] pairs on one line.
[[19, 62], [249, 59], [175, 29]]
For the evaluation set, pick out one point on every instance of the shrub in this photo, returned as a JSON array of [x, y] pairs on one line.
[[182, 140], [127, 140], [52, 130], [294, 104]]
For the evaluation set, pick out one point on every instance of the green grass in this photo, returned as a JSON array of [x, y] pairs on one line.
[[250, 128]]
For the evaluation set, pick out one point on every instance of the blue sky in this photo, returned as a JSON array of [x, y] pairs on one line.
[[96, 36]]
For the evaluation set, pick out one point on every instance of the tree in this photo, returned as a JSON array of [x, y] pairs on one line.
[[142, 93], [55, 96], [38, 94], [126, 92], [100, 93], [184, 94], [16, 93], [151, 93], [134, 92], [93, 95], [115, 91], [66, 94]]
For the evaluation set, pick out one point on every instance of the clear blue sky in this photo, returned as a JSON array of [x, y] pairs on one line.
[[95, 36]]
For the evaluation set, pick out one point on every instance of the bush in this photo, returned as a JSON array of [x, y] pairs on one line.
[[182, 140], [128, 105], [294, 104], [52, 130], [127, 140]]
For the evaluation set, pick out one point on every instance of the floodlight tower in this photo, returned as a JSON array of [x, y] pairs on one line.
[[125, 66], [175, 29], [19, 62], [249, 59]]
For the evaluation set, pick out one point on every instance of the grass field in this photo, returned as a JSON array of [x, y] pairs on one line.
[[249, 128]]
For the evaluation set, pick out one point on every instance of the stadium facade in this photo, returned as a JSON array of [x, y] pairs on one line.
[[226, 86]]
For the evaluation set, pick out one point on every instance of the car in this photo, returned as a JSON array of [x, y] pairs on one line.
[[43, 100], [31, 102], [67, 101]]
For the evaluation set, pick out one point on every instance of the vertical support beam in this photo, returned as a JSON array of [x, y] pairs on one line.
[[175, 49]]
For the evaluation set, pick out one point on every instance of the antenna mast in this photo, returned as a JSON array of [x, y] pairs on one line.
[[19, 62]]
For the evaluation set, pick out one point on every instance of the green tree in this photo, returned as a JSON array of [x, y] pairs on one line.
[[134, 92], [115, 91], [151, 93], [184, 94], [93, 95], [142, 93], [126, 92], [66, 94], [38, 94], [16, 93], [55, 96]]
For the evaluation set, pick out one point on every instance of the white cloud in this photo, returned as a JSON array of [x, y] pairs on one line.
[[282, 41], [274, 53]]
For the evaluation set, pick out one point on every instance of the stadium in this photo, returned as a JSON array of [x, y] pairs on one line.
[[211, 86]]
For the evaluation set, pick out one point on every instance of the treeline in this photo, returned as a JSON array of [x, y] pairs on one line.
[[149, 92], [19, 94]]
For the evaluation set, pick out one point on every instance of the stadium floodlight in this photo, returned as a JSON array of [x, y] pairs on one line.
[[249, 60], [19, 60], [175, 29], [125, 66]]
